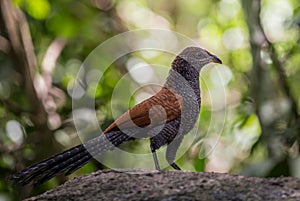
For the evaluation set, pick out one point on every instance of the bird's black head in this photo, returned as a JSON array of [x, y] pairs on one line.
[[186, 67], [198, 57]]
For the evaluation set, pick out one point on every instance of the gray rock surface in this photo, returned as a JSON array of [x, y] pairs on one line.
[[173, 185]]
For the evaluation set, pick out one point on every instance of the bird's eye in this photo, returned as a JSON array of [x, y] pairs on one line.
[[198, 55]]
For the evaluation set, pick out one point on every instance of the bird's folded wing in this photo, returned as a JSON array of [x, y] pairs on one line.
[[158, 109]]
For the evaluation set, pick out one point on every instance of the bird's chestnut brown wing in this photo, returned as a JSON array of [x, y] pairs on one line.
[[166, 106]]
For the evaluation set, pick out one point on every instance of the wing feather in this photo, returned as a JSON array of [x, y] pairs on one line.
[[169, 107]]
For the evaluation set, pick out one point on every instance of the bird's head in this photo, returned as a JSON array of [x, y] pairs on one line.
[[198, 57]]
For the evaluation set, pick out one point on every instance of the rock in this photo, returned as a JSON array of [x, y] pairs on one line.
[[172, 185]]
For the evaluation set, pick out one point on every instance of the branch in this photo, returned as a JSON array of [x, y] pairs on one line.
[[19, 38], [284, 83], [50, 58], [53, 96], [258, 39], [4, 45], [15, 26]]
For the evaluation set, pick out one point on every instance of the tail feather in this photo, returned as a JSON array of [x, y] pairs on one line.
[[78, 164], [28, 174], [114, 140], [70, 160], [56, 158], [59, 168]]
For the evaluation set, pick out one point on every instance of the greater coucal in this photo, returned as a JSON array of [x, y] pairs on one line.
[[165, 118]]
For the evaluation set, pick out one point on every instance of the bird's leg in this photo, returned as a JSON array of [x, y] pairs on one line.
[[175, 166], [171, 151], [155, 158]]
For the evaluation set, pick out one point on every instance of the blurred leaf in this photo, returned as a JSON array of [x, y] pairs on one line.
[[38, 9], [200, 161]]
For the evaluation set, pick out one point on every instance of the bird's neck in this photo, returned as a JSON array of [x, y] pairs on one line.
[[181, 76]]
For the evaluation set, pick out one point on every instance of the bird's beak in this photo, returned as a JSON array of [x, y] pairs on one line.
[[215, 59]]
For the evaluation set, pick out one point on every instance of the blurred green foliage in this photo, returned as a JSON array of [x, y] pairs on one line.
[[260, 137]]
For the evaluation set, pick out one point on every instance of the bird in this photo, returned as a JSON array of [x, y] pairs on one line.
[[165, 118]]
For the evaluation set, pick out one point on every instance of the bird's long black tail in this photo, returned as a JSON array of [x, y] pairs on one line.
[[69, 160]]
